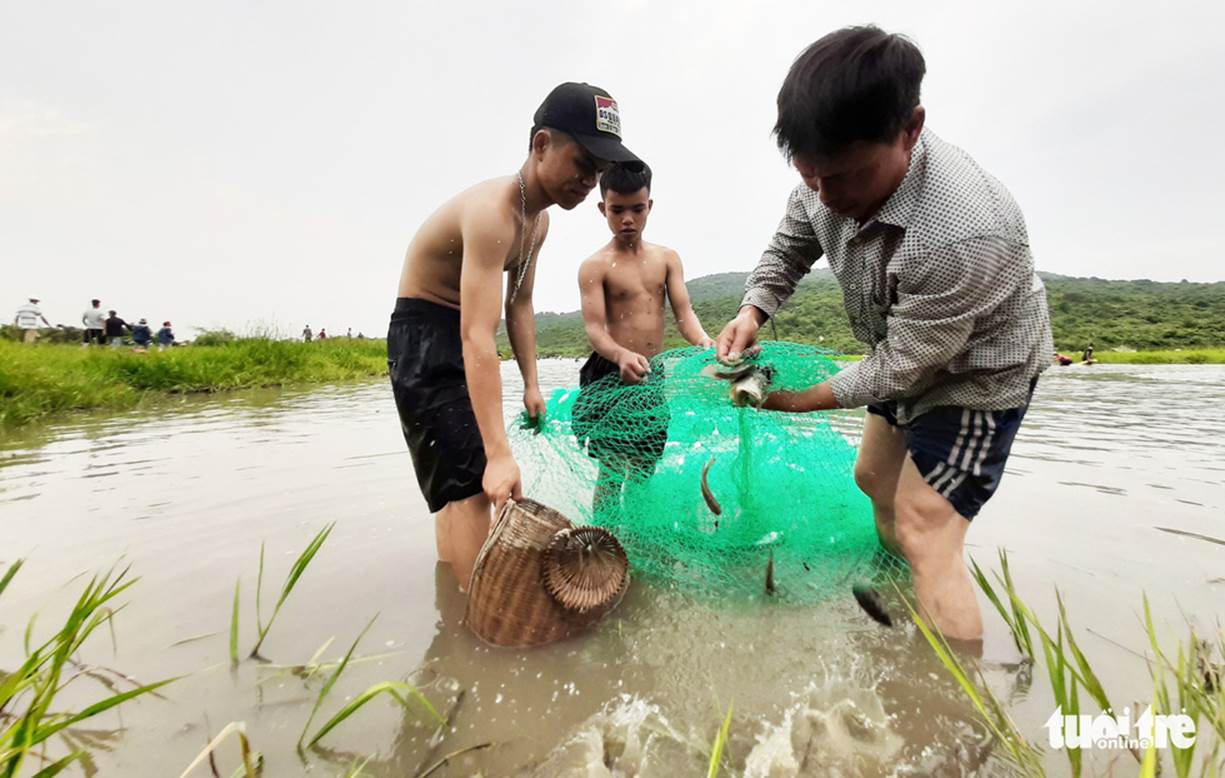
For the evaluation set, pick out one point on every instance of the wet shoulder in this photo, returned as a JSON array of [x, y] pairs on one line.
[[959, 200]]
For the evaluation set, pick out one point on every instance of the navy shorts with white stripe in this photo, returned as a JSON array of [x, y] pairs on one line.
[[960, 452]]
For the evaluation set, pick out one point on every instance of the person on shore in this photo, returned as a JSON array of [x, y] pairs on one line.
[[1087, 355], [441, 345], [933, 259], [625, 287], [306, 334], [114, 327], [349, 333], [165, 336], [27, 318], [94, 321], [323, 334], [142, 336]]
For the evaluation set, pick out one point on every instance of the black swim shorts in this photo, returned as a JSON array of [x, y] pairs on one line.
[[426, 361], [619, 423], [961, 452]]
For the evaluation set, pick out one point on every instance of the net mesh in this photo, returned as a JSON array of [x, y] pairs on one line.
[[630, 458]]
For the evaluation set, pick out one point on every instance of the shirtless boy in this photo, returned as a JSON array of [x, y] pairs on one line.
[[624, 287], [440, 344]]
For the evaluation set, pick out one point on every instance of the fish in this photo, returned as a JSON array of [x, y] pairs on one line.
[[736, 357], [869, 599], [751, 389], [770, 574], [708, 495], [1210, 671]]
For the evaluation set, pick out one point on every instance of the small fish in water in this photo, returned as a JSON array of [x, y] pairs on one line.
[[708, 495], [869, 599], [770, 574], [1209, 670]]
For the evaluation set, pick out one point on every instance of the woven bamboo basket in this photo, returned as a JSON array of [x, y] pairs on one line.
[[538, 579]]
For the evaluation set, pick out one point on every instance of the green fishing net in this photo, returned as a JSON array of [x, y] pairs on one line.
[[630, 458]]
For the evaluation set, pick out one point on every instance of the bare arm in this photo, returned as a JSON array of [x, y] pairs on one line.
[[591, 287], [686, 320], [521, 329], [484, 235]]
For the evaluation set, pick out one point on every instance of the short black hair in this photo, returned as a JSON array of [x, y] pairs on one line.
[[96, 302], [854, 84], [555, 134], [626, 178]]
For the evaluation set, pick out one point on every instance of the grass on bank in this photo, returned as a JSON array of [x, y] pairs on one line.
[[1191, 356], [40, 380]]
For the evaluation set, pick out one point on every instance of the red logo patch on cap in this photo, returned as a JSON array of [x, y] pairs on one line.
[[607, 117]]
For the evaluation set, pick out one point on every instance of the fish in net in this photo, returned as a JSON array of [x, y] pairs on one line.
[[705, 495]]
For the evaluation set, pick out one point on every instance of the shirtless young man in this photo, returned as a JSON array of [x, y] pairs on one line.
[[440, 344], [624, 286]]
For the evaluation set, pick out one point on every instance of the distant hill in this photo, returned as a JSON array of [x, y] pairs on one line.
[[1138, 314]]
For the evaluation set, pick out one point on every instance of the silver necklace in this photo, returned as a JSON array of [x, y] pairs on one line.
[[525, 259]]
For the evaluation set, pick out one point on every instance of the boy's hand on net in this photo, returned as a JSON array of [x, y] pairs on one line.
[[533, 401], [633, 367]]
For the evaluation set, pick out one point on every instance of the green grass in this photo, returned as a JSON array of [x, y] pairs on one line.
[[1191, 356], [41, 380], [27, 694], [1186, 681], [716, 751]]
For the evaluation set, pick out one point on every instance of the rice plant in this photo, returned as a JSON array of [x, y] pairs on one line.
[[1187, 681], [1019, 751], [252, 761], [716, 751], [27, 720], [291, 580]]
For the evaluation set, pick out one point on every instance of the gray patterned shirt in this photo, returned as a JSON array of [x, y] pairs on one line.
[[940, 284]]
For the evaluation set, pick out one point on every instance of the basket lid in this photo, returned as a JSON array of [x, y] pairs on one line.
[[585, 568]]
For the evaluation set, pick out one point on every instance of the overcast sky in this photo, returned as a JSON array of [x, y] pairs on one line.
[[265, 163]]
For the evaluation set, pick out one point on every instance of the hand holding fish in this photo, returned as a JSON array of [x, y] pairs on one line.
[[633, 366], [739, 334]]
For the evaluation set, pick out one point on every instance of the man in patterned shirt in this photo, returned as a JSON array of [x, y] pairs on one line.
[[937, 279]]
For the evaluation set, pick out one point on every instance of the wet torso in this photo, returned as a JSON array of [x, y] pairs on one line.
[[434, 259], [635, 293]]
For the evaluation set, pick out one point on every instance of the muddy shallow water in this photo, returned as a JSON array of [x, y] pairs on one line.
[[187, 490]]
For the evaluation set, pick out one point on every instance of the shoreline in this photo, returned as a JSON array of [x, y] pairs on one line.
[[49, 381]]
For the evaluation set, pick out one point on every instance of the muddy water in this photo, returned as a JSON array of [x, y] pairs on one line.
[[186, 492]]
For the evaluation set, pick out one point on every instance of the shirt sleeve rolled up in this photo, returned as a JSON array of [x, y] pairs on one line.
[[939, 301]]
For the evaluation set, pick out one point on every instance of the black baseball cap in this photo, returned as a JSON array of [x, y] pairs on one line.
[[589, 115]]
